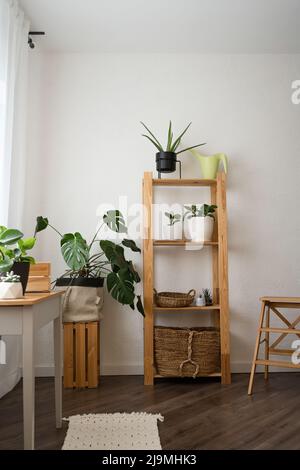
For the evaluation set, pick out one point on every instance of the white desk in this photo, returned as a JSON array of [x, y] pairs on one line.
[[24, 317]]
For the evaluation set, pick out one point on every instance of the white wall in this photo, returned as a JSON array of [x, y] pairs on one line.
[[85, 148]]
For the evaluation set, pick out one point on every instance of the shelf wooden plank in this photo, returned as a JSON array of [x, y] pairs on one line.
[[185, 309], [183, 182], [182, 243], [214, 374]]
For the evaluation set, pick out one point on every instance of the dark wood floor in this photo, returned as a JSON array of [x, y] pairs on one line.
[[198, 415]]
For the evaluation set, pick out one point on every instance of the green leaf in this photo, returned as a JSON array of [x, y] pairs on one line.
[[131, 244], [189, 148], [177, 141], [121, 286], [2, 229], [74, 250], [156, 140], [154, 143], [170, 137], [139, 305], [6, 264], [115, 221], [26, 244], [114, 253], [27, 259], [133, 273], [10, 236], [41, 224]]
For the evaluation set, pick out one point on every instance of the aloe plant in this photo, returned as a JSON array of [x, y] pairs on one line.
[[172, 143], [109, 261]]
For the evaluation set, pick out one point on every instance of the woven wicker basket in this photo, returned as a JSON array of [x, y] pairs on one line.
[[174, 299], [187, 352]]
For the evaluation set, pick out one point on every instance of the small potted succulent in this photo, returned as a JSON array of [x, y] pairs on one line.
[[199, 222], [166, 157], [10, 286], [172, 229], [13, 253], [206, 293]]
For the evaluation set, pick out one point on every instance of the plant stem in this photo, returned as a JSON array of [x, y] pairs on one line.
[[55, 230]]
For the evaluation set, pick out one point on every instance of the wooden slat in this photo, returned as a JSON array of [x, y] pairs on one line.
[[92, 354], [281, 352], [38, 284], [183, 182], [40, 269], [215, 254], [282, 336], [290, 300], [182, 243], [223, 278], [281, 330], [80, 368], [290, 365], [148, 280], [192, 308], [68, 356]]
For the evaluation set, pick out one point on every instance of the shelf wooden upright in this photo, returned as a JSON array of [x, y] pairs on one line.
[[220, 307]]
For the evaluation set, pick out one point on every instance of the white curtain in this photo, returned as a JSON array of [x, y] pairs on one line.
[[14, 28]]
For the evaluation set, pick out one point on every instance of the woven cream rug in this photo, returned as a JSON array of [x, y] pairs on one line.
[[113, 431]]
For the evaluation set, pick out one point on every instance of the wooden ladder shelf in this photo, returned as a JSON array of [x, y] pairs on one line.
[[220, 307]]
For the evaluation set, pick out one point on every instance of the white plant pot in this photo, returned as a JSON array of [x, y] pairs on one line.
[[11, 290], [172, 232], [199, 229]]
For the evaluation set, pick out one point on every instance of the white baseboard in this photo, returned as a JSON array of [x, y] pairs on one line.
[[47, 370]]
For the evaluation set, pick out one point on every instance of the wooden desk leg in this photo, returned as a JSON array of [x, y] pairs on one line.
[[57, 332], [28, 377]]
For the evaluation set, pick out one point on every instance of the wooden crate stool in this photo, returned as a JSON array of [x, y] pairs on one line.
[[271, 305], [81, 354]]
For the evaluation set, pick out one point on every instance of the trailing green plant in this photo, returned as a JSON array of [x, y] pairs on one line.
[[172, 143], [109, 262], [173, 218], [205, 210], [13, 248], [10, 277], [207, 296]]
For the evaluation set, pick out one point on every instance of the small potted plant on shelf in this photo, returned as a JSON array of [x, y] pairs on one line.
[[166, 157], [13, 253], [90, 265], [10, 286], [199, 222], [207, 296], [172, 230]]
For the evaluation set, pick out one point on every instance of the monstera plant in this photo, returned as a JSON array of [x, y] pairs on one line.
[[90, 263]]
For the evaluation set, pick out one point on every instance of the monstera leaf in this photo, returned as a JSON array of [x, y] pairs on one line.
[[114, 253], [121, 287], [41, 224], [131, 244], [10, 236], [74, 250], [115, 221]]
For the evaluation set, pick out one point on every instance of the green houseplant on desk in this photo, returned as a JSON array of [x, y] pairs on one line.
[[13, 253], [88, 268]]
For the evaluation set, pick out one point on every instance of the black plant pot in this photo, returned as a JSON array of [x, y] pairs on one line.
[[22, 269], [166, 162], [80, 281]]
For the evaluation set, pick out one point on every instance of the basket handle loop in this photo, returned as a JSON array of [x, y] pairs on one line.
[[154, 291], [189, 359], [192, 292]]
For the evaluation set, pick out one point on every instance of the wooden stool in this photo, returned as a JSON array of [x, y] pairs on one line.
[[81, 354], [268, 305]]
